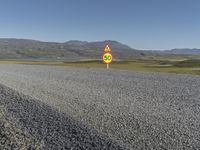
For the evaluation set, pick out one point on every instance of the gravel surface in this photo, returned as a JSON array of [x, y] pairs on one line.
[[40, 127], [12, 137], [139, 110]]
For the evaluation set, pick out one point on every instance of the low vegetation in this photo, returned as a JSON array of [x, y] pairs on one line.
[[168, 64]]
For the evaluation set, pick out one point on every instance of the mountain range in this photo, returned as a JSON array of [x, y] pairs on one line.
[[185, 51], [32, 49]]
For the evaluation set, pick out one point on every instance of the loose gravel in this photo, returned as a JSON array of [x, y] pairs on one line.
[[44, 128], [12, 137], [137, 110]]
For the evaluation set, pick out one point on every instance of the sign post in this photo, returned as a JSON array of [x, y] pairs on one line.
[[107, 56]]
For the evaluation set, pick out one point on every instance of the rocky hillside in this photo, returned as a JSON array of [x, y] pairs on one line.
[[23, 48]]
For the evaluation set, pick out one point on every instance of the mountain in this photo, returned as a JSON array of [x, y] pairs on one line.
[[25, 48], [74, 49], [185, 51]]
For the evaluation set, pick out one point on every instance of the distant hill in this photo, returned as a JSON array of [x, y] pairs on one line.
[[24, 48], [185, 51], [70, 50]]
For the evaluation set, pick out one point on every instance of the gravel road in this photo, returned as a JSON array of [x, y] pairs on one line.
[[121, 109]]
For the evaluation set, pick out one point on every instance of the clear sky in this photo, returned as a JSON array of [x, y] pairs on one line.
[[142, 24]]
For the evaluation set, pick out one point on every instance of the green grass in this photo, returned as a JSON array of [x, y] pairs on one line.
[[167, 64], [188, 63]]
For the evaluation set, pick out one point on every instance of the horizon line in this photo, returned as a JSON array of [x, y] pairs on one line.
[[91, 41]]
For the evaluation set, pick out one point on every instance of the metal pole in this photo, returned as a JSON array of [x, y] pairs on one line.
[[107, 66]]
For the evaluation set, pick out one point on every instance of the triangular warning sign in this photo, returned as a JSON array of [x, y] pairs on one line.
[[107, 49]]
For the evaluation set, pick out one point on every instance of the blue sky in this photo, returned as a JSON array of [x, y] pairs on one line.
[[142, 24]]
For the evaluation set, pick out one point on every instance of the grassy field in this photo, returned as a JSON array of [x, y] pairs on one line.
[[174, 64]]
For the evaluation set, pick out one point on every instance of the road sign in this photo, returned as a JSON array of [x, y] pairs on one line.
[[107, 58], [107, 49]]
